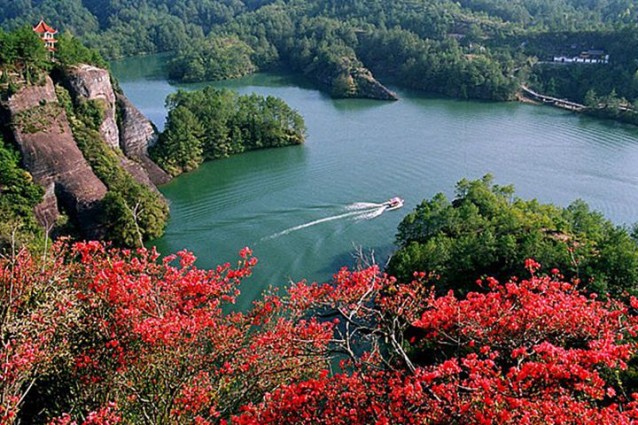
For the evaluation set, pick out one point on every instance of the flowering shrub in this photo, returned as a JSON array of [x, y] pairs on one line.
[[132, 338], [152, 337], [532, 352], [36, 313]]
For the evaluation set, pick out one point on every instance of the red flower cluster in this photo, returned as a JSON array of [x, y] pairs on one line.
[[148, 340], [532, 352]]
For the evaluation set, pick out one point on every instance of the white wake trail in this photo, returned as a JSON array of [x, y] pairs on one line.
[[358, 211], [358, 206], [372, 214]]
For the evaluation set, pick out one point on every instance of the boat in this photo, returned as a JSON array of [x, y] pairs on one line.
[[393, 203]]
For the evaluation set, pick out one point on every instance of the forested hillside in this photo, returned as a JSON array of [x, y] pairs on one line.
[[469, 49], [487, 231]]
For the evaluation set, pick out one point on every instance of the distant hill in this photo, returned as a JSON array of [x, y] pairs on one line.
[[481, 49]]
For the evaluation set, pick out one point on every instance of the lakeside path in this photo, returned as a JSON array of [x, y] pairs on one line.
[[559, 103]]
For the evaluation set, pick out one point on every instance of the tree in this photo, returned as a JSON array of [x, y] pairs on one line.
[[180, 146], [71, 51], [211, 124], [486, 231], [591, 99], [216, 58], [18, 196], [36, 312], [30, 54], [142, 339]]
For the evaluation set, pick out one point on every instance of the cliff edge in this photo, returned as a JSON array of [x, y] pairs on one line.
[[137, 134], [42, 132], [38, 122], [132, 133], [348, 78]]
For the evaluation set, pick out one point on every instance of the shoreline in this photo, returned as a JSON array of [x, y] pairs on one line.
[[620, 116]]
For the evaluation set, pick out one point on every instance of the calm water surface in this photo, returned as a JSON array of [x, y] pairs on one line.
[[304, 209]]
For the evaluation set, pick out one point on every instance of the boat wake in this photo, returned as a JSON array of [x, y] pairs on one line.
[[358, 206], [358, 211]]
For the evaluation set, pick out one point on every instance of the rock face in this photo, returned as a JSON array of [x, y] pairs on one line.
[[42, 132], [367, 86], [46, 212], [137, 171], [137, 134], [348, 78], [89, 82]]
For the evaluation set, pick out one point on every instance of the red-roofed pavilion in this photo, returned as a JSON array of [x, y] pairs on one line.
[[47, 34]]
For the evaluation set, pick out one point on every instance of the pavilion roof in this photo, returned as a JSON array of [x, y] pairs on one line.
[[42, 28]]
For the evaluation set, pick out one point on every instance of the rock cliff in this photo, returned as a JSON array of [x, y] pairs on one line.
[[42, 132], [137, 134], [368, 86], [41, 129], [350, 79], [91, 83], [133, 135]]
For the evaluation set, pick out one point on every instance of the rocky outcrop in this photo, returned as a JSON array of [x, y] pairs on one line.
[[42, 132], [367, 86], [47, 211], [358, 83], [133, 135], [41, 129], [137, 171], [92, 83], [33, 96], [137, 134], [348, 78]]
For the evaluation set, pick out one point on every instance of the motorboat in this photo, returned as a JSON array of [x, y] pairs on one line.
[[393, 203]]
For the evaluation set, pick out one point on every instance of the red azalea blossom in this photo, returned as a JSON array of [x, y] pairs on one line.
[[144, 340]]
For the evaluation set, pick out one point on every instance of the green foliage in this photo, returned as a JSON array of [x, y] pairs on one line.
[[216, 58], [132, 212], [314, 37], [467, 49], [22, 52], [486, 231], [614, 84], [318, 39], [92, 112], [36, 119], [70, 14], [443, 67], [64, 99], [180, 145], [71, 51], [212, 124], [18, 196]]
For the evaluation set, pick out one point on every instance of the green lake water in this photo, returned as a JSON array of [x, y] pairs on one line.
[[304, 209]]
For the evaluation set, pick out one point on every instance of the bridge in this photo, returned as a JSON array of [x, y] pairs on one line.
[[559, 103]]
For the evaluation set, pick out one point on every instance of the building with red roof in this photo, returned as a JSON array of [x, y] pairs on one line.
[[47, 34]]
